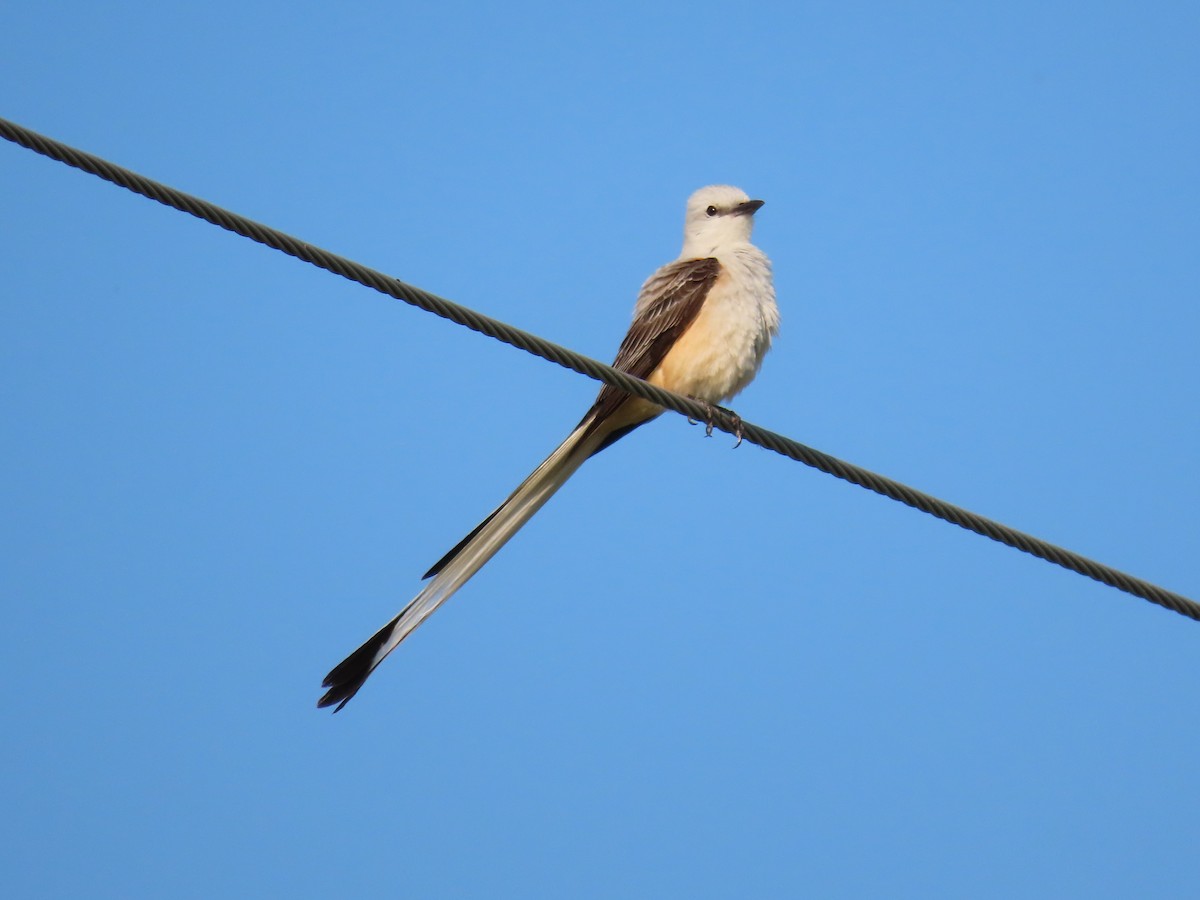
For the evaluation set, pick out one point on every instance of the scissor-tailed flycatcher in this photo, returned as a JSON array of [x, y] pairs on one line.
[[701, 327]]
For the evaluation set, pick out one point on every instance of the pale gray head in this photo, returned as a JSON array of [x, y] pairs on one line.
[[717, 216]]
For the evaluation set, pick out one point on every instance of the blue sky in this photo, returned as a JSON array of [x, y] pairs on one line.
[[698, 672]]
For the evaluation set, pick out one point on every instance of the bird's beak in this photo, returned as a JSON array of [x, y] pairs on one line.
[[749, 208]]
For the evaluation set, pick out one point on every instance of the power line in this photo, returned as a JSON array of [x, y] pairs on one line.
[[531, 343]]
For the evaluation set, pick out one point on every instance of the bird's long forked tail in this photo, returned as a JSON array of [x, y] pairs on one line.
[[464, 561]]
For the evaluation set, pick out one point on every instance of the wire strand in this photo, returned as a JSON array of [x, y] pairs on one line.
[[577, 362]]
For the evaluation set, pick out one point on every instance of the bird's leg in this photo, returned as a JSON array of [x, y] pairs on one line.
[[712, 414]]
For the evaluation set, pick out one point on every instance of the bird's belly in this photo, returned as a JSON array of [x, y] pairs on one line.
[[717, 356]]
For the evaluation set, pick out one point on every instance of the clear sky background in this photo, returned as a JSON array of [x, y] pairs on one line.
[[698, 672]]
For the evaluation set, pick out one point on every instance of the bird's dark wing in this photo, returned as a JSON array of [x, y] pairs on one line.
[[669, 302]]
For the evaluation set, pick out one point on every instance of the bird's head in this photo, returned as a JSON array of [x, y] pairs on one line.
[[717, 217]]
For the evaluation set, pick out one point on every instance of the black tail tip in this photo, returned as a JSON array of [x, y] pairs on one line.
[[352, 672], [344, 681], [339, 694]]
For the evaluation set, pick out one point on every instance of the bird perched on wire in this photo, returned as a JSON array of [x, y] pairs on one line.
[[701, 327]]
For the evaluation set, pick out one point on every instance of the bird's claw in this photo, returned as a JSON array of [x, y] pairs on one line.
[[737, 429], [730, 420]]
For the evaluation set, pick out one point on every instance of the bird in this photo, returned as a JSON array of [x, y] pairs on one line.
[[701, 327]]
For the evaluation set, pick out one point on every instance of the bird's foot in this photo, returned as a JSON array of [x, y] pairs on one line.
[[726, 418]]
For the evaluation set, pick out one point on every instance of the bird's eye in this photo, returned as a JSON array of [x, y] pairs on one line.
[[711, 211]]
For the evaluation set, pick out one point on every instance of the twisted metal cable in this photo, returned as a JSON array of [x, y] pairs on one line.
[[555, 353]]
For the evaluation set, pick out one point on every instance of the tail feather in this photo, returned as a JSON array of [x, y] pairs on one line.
[[464, 560], [348, 675], [457, 548], [585, 427]]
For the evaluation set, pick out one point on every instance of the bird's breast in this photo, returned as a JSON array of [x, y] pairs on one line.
[[722, 350]]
